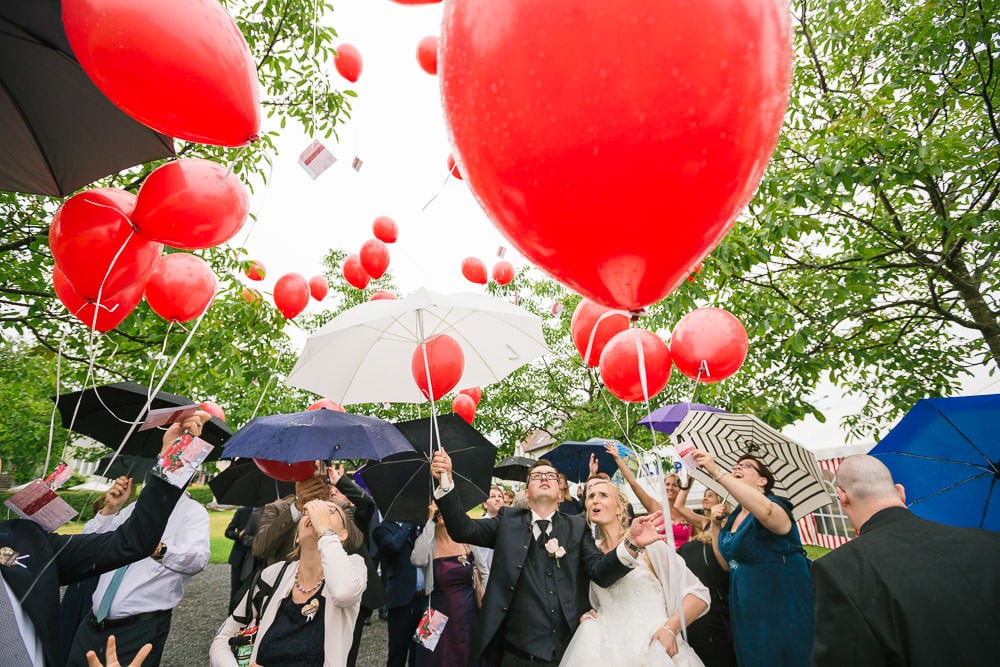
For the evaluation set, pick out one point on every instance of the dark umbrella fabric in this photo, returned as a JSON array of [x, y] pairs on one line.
[[401, 484], [125, 465], [572, 459], [106, 413], [946, 454], [243, 483], [58, 132], [666, 418], [513, 468], [316, 435]]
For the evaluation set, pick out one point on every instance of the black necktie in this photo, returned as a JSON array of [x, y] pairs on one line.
[[543, 530]]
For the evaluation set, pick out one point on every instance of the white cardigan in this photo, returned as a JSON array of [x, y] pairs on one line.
[[423, 557], [346, 579]]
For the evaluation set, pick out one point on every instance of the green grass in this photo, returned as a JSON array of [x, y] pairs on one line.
[[814, 552]]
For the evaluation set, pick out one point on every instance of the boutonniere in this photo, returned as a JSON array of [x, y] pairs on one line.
[[555, 551]]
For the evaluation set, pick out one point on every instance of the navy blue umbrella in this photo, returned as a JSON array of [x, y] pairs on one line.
[[666, 418], [316, 435], [946, 454], [573, 459]]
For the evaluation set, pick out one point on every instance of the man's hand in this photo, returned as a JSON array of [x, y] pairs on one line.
[[441, 463], [111, 656], [594, 465], [120, 491], [334, 473], [647, 529], [190, 424], [314, 488]]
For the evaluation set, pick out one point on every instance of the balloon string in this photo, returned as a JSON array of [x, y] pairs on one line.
[[593, 331], [439, 191], [267, 385], [55, 406], [312, 88], [702, 370], [435, 431]]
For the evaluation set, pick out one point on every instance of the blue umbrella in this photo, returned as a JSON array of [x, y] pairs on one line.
[[316, 435], [946, 453], [573, 459], [666, 417]]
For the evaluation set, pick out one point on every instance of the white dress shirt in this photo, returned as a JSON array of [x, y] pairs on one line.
[[154, 585]]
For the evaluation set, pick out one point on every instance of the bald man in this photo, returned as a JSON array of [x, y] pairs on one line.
[[906, 591]]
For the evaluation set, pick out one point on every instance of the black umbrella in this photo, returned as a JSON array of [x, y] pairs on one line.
[[58, 132], [106, 415], [243, 483], [513, 468], [125, 465], [401, 484]]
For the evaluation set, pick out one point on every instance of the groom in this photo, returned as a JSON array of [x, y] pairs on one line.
[[542, 562]]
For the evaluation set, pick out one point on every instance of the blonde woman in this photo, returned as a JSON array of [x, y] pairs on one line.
[[638, 620]]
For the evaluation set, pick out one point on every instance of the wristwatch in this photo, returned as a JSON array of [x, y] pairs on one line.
[[629, 544], [159, 552], [329, 531]]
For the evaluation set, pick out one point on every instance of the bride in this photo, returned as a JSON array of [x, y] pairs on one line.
[[638, 619]]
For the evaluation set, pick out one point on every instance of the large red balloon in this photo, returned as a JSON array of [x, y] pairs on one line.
[[181, 287], [299, 471], [318, 287], [355, 273], [619, 140], [475, 393], [446, 362], [90, 233], [327, 404], [474, 270], [374, 258], [181, 67], [291, 294], [348, 62], [594, 325], [709, 344], [385, 229], [113, 310], [503, 272], [427, 54], [620, 367], [191, 204], [464, 407]]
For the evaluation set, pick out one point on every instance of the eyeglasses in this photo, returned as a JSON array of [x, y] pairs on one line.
[[746, 465], [539, 476]]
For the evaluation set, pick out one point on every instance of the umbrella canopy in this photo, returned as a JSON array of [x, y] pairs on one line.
[[946, 454], [513, 468], [573, 459], [401, 484], [106, 414], [666, 418], [363, 355], [728, 436], [316, 435], [243, 483], [58, 132], [125, 465]]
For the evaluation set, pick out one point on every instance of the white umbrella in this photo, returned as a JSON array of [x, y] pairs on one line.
[[728, 436], [363, 355]]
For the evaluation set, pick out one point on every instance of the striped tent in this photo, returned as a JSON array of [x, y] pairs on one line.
[[728, 436]]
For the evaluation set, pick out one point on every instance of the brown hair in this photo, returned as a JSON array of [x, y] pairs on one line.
[[355, 538], [762, 470], [538, 464]]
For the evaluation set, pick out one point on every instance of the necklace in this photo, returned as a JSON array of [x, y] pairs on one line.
[[311, 588]]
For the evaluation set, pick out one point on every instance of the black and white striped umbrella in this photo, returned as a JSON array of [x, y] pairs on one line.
[[729, 436]]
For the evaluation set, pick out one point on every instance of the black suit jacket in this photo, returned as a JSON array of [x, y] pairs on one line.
[[395, 544], [239, 523], [56, 560], [908, 591], [509, 535]]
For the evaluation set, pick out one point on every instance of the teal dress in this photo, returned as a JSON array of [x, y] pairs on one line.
[[770, 597]]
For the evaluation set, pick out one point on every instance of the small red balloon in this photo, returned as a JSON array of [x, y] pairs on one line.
[[348, 62], [254, 270], [594, 325], [299, 471], [354, 273], [445, 360], [181, 287], [327, 404], [709, 344], [475, 393], [251, 295], [474, 270], [453, 167], [382, 295], [374, 258], [427, 54], [503, 272], [620, 365], [464, 407], [291, 294], [113, 310], [318, 287], [385, 229], [214, 409]]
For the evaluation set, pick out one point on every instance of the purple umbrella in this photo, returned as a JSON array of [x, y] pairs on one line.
[[666, 417]]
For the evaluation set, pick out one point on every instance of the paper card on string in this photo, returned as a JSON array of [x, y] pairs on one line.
[[162, 416], [501, 251], [429, 628], [316, 159], [182, 459], [59, 476], [356, 164], [557, 309], [37, 502]]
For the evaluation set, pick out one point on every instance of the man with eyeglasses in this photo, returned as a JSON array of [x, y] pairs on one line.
[[543, 562]]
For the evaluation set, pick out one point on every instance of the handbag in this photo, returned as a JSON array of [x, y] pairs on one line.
[[241, 644]]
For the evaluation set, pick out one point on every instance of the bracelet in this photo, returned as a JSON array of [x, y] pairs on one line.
[[629, 544], [669, 629]]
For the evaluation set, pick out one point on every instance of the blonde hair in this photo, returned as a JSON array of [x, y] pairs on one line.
[[619, 496]]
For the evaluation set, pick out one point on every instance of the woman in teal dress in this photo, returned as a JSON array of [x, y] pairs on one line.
[[770, 596]]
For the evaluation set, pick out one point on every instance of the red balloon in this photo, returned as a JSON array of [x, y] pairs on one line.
[[453, 167], [214, 409], [355, 273], [348, 62], [620, 365], [385, 229], [183, 68], [474, 270], [475, 393], [382, 295], [191, 204], [374, 258], [112, 311], [446, 362], [427, 54], [251, 295], [626, 147], [299, 471], [88, 232], [503, 272], [318, 287], [416, 2], [254, 270], [181, 287], [327, 404], [710, 340], [597, 322], [291, 294], [464, 407]]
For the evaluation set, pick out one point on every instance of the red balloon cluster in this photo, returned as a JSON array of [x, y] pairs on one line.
[[299, 471], [709, 344], [427, 54], [385, 229], [474, 270], [291, 294], [592, 326], [445, 362], [348, 62], [630, 377], [318, 287], [327, 404], [180, 287]]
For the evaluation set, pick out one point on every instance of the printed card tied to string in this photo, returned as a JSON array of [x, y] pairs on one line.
[[38, 501], [181, 460], [163, 416], [316, 159], [429, 628]]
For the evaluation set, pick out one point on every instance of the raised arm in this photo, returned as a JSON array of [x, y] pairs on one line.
[[649, 502], [772, 515], [481, 532], [692, 517]]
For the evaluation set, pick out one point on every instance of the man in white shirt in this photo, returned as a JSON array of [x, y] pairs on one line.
[[135, 603]]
